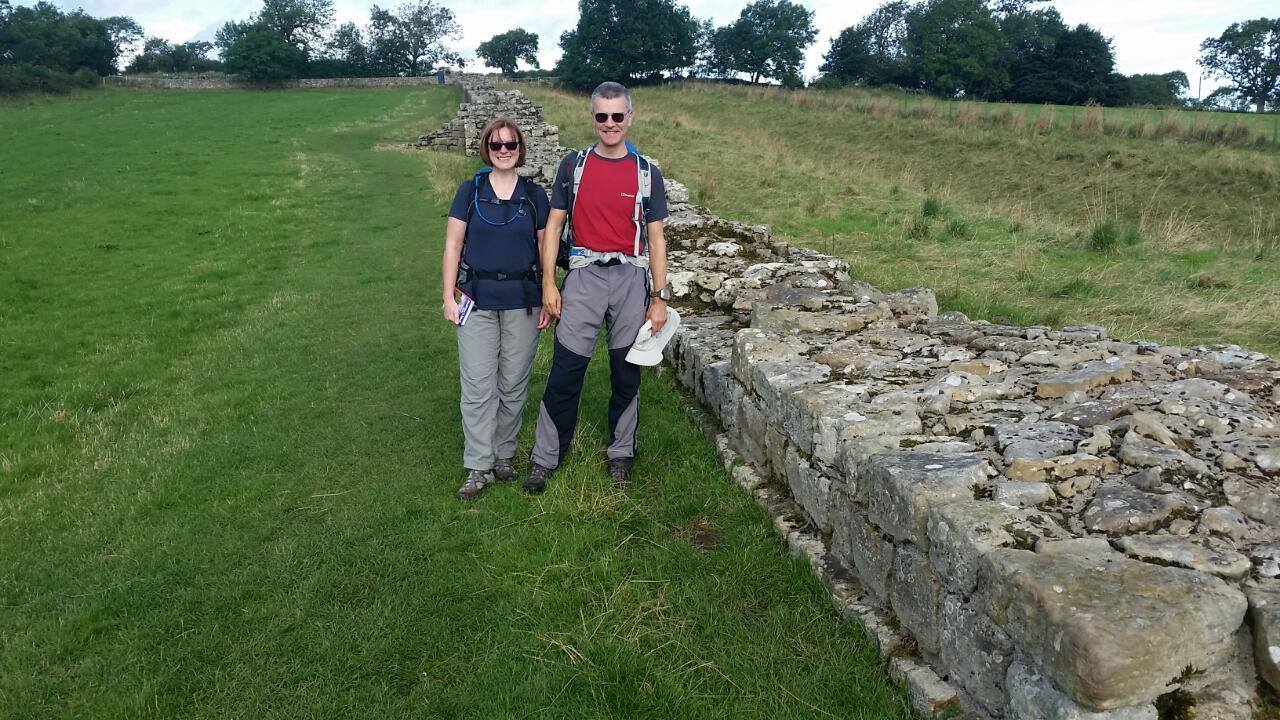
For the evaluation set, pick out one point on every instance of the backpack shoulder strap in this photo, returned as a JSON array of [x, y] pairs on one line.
[[644, 189], [579, 166]]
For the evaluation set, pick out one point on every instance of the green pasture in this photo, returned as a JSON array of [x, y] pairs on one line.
[[1161, 238], [229, 445]]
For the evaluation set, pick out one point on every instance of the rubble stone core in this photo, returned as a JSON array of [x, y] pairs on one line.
[[1029, 522]]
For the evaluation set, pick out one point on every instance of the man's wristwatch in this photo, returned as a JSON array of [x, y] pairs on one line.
[[663, 294]]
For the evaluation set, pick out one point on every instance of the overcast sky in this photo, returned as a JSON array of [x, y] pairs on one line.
[[1149, 36]]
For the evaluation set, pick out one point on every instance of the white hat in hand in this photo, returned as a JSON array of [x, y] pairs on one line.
[[647, 349]]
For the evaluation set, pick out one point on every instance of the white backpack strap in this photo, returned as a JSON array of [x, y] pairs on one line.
[[644, 188], [578, 168]]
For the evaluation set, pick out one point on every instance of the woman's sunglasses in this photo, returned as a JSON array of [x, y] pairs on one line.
[[602, 118], [495, 146]]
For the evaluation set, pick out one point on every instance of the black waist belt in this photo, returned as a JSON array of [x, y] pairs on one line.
[[609, 263], [530, 275]]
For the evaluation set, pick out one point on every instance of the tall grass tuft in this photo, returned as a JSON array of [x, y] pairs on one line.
[[1109, 235], [919, 228], [931, 207], [1045, 121], [1090, 120], [967, 114], [959, 229]]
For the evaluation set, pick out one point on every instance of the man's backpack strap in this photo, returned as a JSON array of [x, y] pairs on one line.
[[571, 186], [644, 189]]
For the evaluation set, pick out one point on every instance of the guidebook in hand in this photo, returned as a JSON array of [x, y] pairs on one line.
[[465, 306]]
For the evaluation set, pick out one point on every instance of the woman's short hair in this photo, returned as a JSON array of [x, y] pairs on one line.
[[494, 126]]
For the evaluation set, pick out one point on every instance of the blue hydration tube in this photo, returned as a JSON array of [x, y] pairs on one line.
[[475, 201]]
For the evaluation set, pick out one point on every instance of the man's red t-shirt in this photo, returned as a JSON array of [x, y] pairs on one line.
[[604, 214]]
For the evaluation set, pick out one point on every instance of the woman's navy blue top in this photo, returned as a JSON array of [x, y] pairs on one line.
[[506, 248]]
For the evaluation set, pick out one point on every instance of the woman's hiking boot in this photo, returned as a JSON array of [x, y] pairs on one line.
[[503, 470], [476, 482], [536, 481]]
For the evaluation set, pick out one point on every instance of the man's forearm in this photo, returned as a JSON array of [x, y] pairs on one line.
[[551, 247], [657, 255]]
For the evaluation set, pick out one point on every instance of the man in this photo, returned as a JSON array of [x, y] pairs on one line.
[[608, 284]]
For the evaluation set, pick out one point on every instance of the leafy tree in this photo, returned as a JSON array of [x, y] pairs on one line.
[[410, 41], [767, 40], [1160, 90], [301, 23], [954, 47], [345, 55], [125, 33], [505, 50], [1085, 63], [158, 55], [44, 37], [259, 52], [627, 39], [873, 52], [1247, 54]]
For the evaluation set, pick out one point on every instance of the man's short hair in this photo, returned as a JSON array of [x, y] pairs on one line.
[[609, 90]]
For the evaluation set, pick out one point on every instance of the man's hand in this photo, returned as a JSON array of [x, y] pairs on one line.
[[551, 301], [657, 314]]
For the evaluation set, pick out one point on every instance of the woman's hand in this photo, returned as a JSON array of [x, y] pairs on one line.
[[551, 301], [544, 318], [451, 310]]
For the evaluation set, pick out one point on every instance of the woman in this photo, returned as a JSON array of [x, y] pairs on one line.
[[491, 258]]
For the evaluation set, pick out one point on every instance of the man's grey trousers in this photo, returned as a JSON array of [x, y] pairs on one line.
[[614, 297], [495, 357]]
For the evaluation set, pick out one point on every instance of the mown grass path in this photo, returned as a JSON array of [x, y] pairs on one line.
[[229, 446]]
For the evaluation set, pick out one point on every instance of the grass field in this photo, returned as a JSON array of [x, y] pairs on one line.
[[1157, 238], [229, 446]]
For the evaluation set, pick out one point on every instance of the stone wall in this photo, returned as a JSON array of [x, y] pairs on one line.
[[481, 102], [228, 83], [1032, 523]]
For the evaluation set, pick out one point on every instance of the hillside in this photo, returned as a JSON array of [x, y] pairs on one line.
[[1022, 213]]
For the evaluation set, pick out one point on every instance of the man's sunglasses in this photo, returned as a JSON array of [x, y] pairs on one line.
[[602, 118], [495, 146]]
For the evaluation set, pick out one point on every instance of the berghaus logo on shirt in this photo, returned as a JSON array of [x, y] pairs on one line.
[[628, 195]]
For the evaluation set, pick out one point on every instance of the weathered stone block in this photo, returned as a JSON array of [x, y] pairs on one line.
[[960, 534], [751, 347], [1033, 697], [1264, 618], [974, 652], [748, 433], [810, 488], [860, 545], [813, 416], [786, 321], [915, 594], [1090, 375], [1120, 509], [1110, 633], [774, 381], [902, 487], [1202, 553]]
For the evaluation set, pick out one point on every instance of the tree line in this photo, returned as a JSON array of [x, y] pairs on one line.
[[1002, 50]]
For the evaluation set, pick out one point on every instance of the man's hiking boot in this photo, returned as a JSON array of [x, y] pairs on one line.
[[620, 472], [503, 470], [536, 481], [476, 482]]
